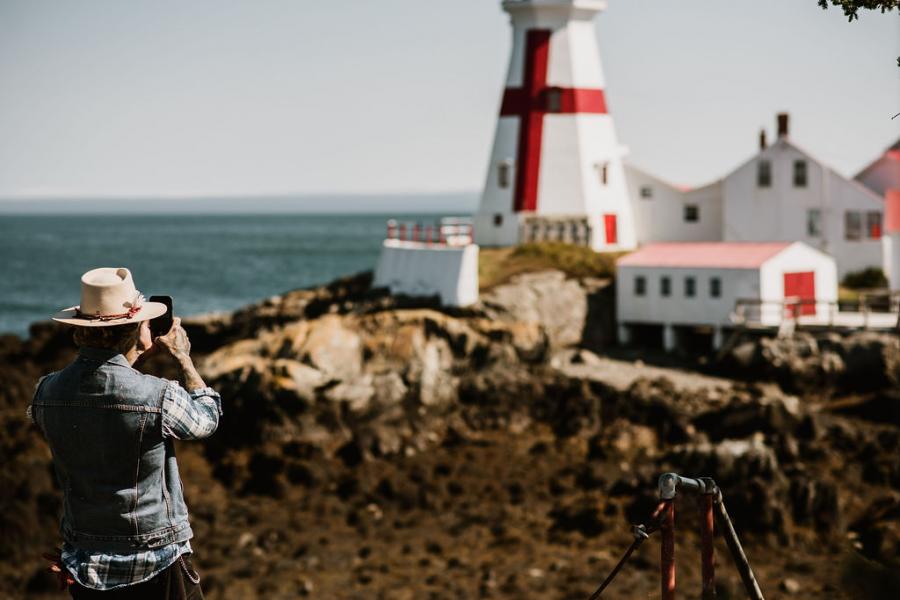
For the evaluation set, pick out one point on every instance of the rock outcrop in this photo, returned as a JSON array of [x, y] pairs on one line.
[[804, 362], [381, 447]]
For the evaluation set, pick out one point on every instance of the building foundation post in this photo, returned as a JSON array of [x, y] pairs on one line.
[[668, 337], [717, 338]]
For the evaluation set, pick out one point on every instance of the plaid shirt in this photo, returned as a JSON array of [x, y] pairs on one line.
[[185, 416]]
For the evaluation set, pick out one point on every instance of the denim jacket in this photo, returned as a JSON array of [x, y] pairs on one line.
[[120, 482]]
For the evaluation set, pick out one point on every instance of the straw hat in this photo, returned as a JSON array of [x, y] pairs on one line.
[[108, 297]]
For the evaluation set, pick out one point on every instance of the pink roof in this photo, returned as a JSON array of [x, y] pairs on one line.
[[719, 255], [892, 211]]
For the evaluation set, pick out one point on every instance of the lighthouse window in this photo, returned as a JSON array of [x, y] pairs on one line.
[[814, 222], [498, 220], [554, 100], [715, 287], [853, 225], [799, 173], [691, 213], [646, 191], [764, 173], [873, 225], [503, 178], [603, 170]]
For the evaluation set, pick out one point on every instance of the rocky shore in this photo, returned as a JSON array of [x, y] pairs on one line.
[[381, 447]]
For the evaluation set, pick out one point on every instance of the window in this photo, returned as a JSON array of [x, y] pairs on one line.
[[690, 287], [640, 285], [665, 286], [764, 173], [814, 222], [852, 225], [554, 100], [873, 225], [503, 174], [498, 220], [715, 287], [691, 213], [646, 191], [799, 173], [603, 170]]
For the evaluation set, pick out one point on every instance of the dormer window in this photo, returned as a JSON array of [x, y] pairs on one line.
[[764, 173], [800, 173]]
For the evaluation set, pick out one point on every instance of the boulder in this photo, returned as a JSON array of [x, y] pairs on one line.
[[548, 298], [727, 461], [332, 348]]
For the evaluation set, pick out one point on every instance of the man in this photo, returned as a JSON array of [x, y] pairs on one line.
[[110, 429]]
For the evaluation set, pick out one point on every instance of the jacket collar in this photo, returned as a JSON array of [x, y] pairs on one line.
[[104, 355]]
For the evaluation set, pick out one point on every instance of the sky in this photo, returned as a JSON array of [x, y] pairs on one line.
[[172, 98]]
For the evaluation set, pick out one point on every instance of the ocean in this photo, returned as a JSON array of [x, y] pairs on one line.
[[206, 263]]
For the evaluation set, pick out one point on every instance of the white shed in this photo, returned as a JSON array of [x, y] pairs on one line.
[[694, 284]]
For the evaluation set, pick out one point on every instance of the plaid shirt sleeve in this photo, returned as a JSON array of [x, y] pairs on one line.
[[190, 416]]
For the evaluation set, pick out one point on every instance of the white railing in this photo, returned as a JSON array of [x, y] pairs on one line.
[[880, 314], [448, 231], [574, 229]]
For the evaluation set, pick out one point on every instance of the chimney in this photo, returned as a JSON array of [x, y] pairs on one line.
[[762, 139], [783, 124]]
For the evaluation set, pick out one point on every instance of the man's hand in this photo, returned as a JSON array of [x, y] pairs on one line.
[[176, 344]]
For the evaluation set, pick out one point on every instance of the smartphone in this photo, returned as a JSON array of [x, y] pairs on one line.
[[163, 323]]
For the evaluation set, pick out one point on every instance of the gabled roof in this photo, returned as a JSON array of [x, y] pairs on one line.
[[714, 255], [786, 142]]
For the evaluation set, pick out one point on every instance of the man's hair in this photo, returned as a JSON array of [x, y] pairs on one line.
[[115, 337]]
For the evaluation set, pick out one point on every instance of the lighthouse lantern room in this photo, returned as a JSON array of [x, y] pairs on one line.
[[555, 170]]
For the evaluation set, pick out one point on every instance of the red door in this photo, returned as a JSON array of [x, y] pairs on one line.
[[612, 230], [801, 285]]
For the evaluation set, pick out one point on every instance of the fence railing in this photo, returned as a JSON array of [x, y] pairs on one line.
[[873, 310], [449, 231], [573, 230]]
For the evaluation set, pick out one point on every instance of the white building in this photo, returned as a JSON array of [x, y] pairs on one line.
[[678, 285], [556, 172], [664, 212], [555, 169], [782, 193], [430, 260]]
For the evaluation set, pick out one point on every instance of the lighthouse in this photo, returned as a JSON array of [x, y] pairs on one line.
[[555, 170]]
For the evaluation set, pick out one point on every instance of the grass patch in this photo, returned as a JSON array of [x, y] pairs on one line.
[[847, 295], [498, 265]]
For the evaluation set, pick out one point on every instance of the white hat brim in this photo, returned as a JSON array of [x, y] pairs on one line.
[[148, 310]]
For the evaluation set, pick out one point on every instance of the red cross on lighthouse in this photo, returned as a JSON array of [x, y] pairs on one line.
[[530, 103]]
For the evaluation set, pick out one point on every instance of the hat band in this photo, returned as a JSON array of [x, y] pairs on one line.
[[136, 306]]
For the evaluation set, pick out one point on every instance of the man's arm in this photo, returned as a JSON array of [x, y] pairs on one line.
[[192, 411], [178, 346], [29, 411], [190, 416]]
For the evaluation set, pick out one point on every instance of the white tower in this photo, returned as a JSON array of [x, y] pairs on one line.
[[556, 167]]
